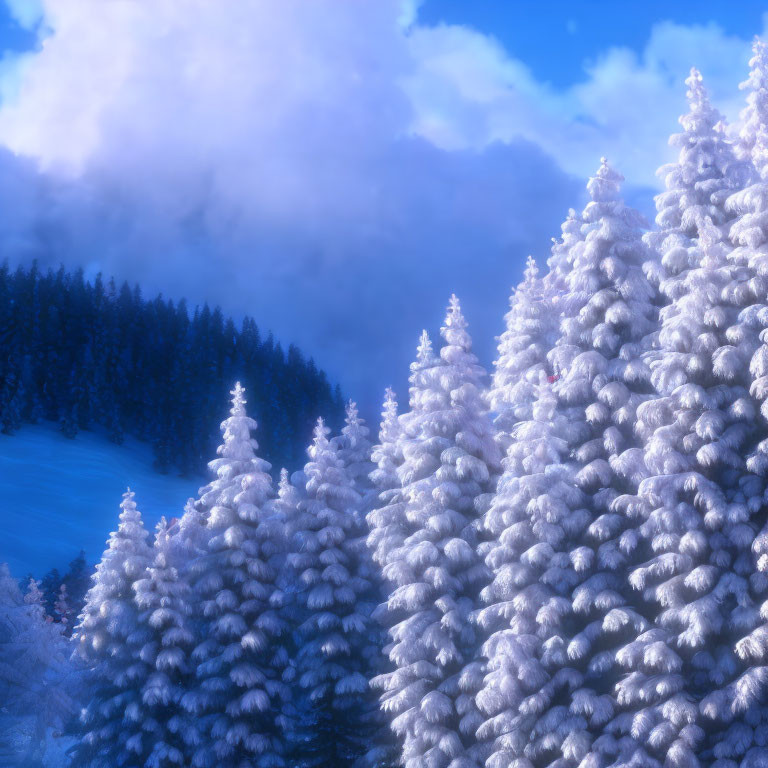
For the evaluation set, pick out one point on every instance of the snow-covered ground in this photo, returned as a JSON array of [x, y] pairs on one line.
[[58, 496]]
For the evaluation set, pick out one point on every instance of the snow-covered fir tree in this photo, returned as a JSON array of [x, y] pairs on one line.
[[285, 505], [557, 605], [696, 433], [354, 448], [751, 144], [165, 599], [536, 506], [608, 313], [696, 188], [385, 521], [109, 638], [450, 460], [749, 232], [283, 522], [238, 697], [336, 722], [285, 516], [354, 452], [420, 376], [279, 522], [531, 325], [737, 718], [608, 308]]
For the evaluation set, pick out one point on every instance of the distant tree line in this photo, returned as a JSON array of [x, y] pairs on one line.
[[92, 354]]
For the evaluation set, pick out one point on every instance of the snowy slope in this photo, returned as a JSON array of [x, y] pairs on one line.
[[58, 496]]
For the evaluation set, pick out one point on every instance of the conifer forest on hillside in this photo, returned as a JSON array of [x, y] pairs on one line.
[[560, 563], [91, 354]]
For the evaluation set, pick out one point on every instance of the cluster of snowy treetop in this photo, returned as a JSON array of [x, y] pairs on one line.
[[94, 355], [564, 566]]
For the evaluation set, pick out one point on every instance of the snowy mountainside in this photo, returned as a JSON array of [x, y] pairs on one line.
[[59, 496]]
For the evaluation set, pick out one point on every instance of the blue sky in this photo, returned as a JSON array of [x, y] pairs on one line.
[[556, 37], [338, 169], [15, 34]]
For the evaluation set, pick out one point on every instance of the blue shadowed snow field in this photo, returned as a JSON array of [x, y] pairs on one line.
[[58, 496]]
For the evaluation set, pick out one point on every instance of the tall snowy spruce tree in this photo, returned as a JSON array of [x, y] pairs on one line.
[[336, 719], [537, 496], [558, 606], [738, 705], [109, 638], [284, 506], [285, 517], [450, 460], [354, 452], [239, 697], [279, 523], [386, 522], [696, 434], [531, 326], [165, 600], [354, 449], [692, 206]]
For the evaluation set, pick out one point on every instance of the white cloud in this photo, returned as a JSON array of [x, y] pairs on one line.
[[220, 81], [469, 92]]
